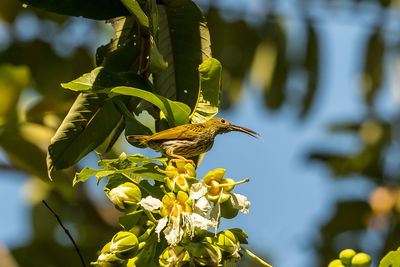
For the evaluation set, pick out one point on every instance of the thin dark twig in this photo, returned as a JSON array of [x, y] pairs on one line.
[[67, 232]]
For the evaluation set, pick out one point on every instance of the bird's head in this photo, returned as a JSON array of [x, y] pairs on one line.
[[220, 126]]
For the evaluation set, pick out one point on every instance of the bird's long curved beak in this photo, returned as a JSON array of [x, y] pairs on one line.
[[245, 130]]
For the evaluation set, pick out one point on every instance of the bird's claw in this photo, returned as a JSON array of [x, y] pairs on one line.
[[186, 160]]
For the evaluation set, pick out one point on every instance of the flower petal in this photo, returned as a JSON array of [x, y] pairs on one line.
[[173, 233], [202, 206], [150, 203], [198, 190], [240, 202], [161, 225]]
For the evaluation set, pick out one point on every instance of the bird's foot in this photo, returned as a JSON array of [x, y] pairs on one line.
[[186, 161]]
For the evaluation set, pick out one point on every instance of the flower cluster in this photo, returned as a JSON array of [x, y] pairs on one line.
[[175, 218]]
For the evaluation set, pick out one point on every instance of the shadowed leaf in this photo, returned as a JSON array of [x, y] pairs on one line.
[[92, 9], [184, 41], [89, 122]]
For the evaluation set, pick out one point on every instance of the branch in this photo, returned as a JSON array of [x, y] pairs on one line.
[[67, 232]]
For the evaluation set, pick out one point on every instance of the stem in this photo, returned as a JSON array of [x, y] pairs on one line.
[[251, 254], [235, 183], [67, 232]]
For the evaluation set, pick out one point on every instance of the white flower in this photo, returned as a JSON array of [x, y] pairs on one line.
[[215, 215], [196, 220], [150, 203], [198, 190], [173, 233], [240, 202], [202, 206], [161, 225]]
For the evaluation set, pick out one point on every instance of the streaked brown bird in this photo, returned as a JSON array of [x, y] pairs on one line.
[[188, 140]]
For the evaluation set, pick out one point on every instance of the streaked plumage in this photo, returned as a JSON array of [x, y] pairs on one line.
[[188, 140]]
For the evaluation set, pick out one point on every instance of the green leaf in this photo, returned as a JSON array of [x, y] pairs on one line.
[[177, 113], [121, 53], [184, 40], [392, 259], [135, 9], [129, 220], [92, 9], [84, 175], [100, 78], [154, 18], [157, 62], [209, 93], [88, 123]]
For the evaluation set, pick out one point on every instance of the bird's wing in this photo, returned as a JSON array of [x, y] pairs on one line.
[[186, 131]]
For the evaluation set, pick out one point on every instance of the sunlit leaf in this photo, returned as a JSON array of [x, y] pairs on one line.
[[177, 113], [210, 85], [184, 42], [100, 78], [88, 123], [135, 9]]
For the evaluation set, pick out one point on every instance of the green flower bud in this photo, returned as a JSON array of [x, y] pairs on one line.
[[346, 255], [227, 241], [336, 263], [124, 195], [109, 259], [361, 260], [205, 254], [174, 257], [124, 245]]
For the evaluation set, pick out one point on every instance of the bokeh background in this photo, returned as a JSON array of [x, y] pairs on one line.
[[319, 80]]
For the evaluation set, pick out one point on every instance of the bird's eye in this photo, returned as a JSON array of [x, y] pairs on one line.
[[223, 121]]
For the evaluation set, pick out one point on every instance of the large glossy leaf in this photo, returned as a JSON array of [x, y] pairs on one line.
[[92, 9], [88, 123], [122, 53], [184, 42], [101, 78], [176, 113], [210, 85]]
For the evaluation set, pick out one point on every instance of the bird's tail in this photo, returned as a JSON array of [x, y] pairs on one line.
[[137, 138]]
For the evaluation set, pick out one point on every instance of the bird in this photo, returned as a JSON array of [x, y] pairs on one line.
[[188, 140]]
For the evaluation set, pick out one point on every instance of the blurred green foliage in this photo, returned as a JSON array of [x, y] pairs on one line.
[[259, 53]]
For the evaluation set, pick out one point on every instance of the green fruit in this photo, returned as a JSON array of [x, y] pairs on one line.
[[346, 255], [361, 260], [336, 263]]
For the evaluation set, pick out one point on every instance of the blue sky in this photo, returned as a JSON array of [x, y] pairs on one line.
[[290, 197]]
